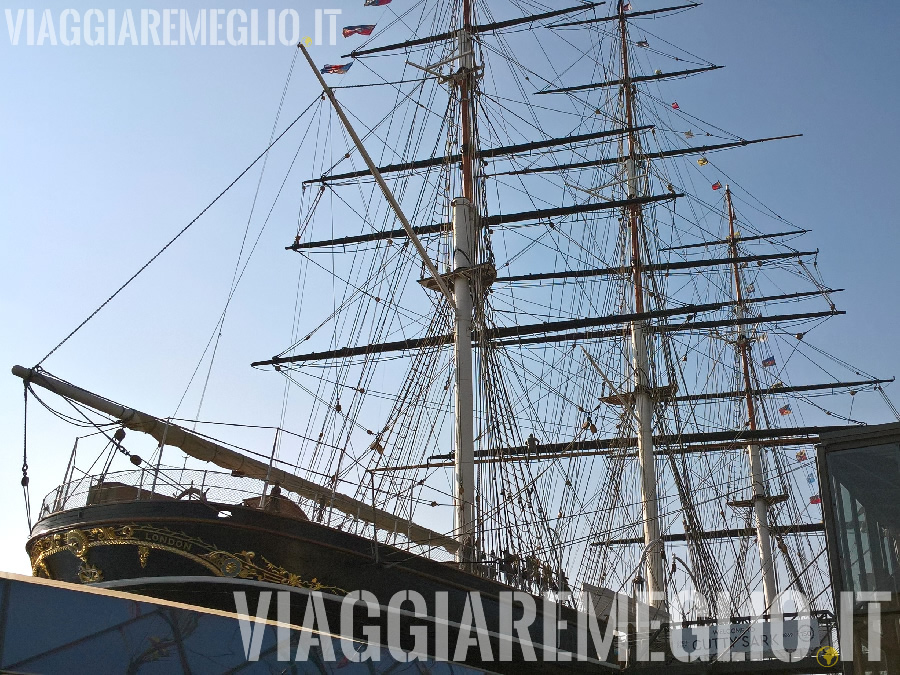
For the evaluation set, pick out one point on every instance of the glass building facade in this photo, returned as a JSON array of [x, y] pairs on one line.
[[859, 475]]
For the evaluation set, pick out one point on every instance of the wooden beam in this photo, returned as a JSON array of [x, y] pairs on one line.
[[779, 530]]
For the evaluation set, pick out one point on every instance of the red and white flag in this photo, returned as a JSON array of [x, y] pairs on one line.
[[365, 29]]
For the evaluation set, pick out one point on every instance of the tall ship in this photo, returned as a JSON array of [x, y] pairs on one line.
[[542, 342]]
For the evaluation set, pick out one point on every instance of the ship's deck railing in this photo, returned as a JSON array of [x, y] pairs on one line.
[[170, 483], [148, 484]]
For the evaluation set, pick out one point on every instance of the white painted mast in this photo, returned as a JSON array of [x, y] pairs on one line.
[[463, 259], [643, 402], [759, 499], [461, 297], [464, 245]]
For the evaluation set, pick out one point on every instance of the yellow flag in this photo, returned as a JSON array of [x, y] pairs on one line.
[[703, 161]]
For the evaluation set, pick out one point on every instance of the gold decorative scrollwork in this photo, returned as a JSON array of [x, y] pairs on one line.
[[76, 541], [220, 563], [231, 567], [143, 554], [89, 574], [243, 566], [40, 570]]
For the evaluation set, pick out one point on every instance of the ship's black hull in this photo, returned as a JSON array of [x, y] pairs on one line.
[[139, 540]]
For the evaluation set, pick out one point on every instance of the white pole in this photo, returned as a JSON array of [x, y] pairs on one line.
[[643, 408], [760, 501], [754, 452], [464, 258], [763, 537]]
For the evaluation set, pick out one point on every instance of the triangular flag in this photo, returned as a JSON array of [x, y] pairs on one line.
[[768, 362], [785, 410], [815, 499], [688, 134], [675, 105], [811, 478], [642, 43], [703, 161], [801, 455], [717, 186]]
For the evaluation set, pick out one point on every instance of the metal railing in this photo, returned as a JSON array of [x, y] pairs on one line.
[[168, 483], [149, 484]]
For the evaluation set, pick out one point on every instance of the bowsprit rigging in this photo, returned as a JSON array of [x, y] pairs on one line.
[[535, 356]]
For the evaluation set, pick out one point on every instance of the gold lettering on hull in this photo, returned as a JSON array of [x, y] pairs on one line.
[[243, 565]]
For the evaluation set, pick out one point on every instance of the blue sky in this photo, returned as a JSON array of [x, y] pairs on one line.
[[108, 151]]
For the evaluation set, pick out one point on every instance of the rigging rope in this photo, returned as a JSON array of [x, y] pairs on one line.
[[177, 236], [235, 279], [25, 479]]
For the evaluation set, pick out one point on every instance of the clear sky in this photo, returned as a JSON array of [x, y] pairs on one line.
[[109, 150]]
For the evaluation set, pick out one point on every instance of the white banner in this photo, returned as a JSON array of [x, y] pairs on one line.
[[702, 641]]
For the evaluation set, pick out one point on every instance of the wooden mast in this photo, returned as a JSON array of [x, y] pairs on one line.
[[643, 407], [466, 82], [759, 499]]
